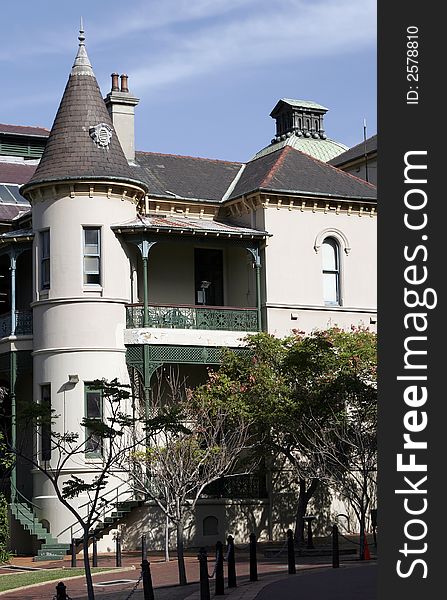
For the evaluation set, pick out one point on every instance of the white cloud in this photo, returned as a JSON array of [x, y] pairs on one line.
[[285, 30]]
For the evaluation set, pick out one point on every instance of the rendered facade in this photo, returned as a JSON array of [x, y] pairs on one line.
[[119, 263]]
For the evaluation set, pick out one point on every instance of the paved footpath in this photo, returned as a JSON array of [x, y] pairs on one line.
[[164, 577]]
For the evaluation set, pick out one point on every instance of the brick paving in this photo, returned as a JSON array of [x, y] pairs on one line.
[[164, 577]]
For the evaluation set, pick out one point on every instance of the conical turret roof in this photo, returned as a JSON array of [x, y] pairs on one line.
[[83, 144]]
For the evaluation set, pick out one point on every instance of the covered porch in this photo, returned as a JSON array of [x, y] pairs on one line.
[[193, 274]]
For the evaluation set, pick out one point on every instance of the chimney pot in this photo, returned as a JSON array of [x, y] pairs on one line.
[[115, 84], [124, 84]]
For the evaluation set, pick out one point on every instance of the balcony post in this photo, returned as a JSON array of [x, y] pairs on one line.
[[12, 268], [254, 251], [258, 292], [145, 293], [12, 382]]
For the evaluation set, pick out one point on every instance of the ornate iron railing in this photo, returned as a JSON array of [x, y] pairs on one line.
[[193, 317], [24, 323], [239, 486]]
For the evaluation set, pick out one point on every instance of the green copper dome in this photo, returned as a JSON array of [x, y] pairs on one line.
[[324, 150]]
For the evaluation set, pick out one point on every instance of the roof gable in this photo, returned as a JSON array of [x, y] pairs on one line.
[[291, 171]]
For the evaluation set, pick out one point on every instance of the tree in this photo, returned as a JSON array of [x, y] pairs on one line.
[[112, 437], [293, 387], [347, 440], [177, 466]]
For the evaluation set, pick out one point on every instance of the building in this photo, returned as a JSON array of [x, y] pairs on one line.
[[115, 263], [360, 160]]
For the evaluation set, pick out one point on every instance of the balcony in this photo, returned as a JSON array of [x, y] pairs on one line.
[[23, 323], [216, 318]]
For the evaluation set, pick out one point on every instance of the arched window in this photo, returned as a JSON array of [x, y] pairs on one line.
[[330, 251], [210, 525]]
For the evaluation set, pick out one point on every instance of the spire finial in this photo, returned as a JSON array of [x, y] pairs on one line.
[[81, 36], [81, 64]]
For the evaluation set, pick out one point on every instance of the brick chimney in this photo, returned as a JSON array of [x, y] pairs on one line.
[[121, 106]]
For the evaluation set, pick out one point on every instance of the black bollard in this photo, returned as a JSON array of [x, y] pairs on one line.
[[204, 580], [73, 552], [335, 549], [231, 561], [148, 590], [94, 552], [118, 550], [61, 591], [220, 583], [143, 548], [291, 552], [253, 558]]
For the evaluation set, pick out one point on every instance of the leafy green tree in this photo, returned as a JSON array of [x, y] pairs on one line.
[[294, 388]]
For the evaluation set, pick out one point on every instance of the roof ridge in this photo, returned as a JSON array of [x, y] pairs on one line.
[[25, 126], [230, 162], [276, 165], [340, 171]]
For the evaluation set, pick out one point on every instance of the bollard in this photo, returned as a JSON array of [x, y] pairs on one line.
[[291, 552], [220, 583], [335, 549], [143, 548], [118, 550], [204, 580], [253, 558], [73, 552], [61, 591], [94, 552], [148, 590], [231, 560]]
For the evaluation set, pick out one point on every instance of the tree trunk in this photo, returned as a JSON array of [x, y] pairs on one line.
[[88, 573], [303, 500], [362, 534], [180, 555], [167, 538]]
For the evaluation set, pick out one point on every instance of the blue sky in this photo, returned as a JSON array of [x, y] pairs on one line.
[[207, 72]]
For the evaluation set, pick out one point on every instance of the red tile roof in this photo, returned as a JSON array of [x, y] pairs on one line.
[[24, 130], [16, 172]]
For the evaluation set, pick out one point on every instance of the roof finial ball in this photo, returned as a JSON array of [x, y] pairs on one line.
[[81, 36]]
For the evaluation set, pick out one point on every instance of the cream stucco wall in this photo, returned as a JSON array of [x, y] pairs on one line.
[[293, 268], [78, 329]]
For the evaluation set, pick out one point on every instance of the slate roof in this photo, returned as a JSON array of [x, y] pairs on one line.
[[289, 170], [355, 152], [187, 225], [70, 152], [16, 172], [24, 130], [185, 176]]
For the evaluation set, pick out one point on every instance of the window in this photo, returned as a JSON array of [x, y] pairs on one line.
[[92, 255], [210, 525], [331, 271], [45, 259], [93, 412], [45, 430]]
